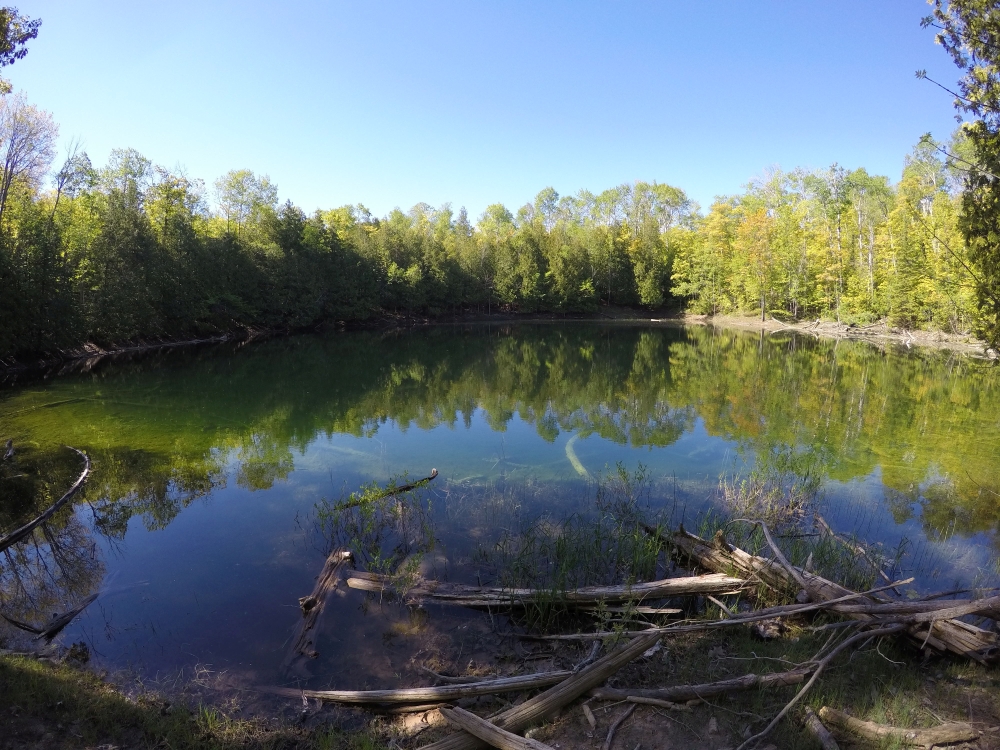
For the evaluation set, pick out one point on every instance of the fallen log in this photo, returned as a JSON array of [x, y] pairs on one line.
[[24, 531], [943, 734], [490, 733], [820, 732], [304, 643], [426, 694], [683, 693], [498, 596], [519, 718], [770, 613], [942, 634]]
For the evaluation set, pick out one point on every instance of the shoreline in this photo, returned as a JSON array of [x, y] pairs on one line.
[[877, 333]]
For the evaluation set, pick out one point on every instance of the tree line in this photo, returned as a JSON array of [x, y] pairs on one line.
[[135, 251]]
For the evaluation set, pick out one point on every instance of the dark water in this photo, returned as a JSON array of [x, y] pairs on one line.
[[199, 526]]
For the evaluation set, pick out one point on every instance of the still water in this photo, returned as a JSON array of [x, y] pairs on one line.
[[202, 522]]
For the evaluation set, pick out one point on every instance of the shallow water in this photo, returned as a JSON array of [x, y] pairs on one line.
[[199, 523]]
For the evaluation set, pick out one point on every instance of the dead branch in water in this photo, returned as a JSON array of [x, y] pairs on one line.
[[387, 492], [489, 733], [22, 533], [51, 629], [941, 631], [304, 644]]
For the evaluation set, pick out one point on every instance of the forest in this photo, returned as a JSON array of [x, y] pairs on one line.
[[132, 251]]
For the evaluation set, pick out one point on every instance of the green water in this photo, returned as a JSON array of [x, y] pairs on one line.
[[198, 524]]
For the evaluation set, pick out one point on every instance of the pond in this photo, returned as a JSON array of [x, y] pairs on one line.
[[217, 470]]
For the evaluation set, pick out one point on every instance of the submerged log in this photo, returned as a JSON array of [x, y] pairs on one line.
[[51, 629], [532, 711], [941, 633], [497, 596], [22, 533], [304, 643], [943, 734]]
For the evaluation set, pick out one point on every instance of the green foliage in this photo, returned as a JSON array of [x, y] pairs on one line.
[[133, 251], [969, 30]]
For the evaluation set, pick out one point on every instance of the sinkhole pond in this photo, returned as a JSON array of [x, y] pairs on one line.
[[219, 473]]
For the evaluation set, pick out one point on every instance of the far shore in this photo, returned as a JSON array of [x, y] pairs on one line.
[[879, 333]]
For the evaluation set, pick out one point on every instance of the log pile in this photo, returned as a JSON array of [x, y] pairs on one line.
[[931, 624]]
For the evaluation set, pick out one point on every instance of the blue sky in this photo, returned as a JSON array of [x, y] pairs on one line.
[[472, 103]]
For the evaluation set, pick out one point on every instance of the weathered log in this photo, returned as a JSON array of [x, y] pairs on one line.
[[681, 693], [427, 694], [490, 733], [658, 703], [770, 613], [304, 643], [497, 596], [943, 734], [23, 532], [534, 710], [941, 634], [820, 732]]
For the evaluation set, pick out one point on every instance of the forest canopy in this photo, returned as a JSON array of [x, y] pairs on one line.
[[132, 250]]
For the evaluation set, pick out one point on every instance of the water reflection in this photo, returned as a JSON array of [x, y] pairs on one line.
[[243, 444]]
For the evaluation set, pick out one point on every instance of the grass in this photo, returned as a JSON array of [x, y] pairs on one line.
[[55, 705], [604, 545]]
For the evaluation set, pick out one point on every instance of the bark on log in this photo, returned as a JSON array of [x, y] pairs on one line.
[[943, 734], [489, 733], [22, 533], [534, 710], [427, 694], [948, 634], [304, 643], [820, 732], [681, 693], [496, 596]]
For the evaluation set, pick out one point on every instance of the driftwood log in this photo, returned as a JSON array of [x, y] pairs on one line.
[[943, 734], [427, 694], [304, 643], [23, 532], [496, 596], [490, 733], [941, 631], [52, 628], [532, 711]]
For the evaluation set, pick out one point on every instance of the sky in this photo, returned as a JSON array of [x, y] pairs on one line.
[[394, 103]]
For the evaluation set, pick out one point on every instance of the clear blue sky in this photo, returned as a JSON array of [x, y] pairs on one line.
[[391, 103]]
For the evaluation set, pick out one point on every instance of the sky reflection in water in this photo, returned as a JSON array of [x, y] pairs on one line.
[[208, 464]]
